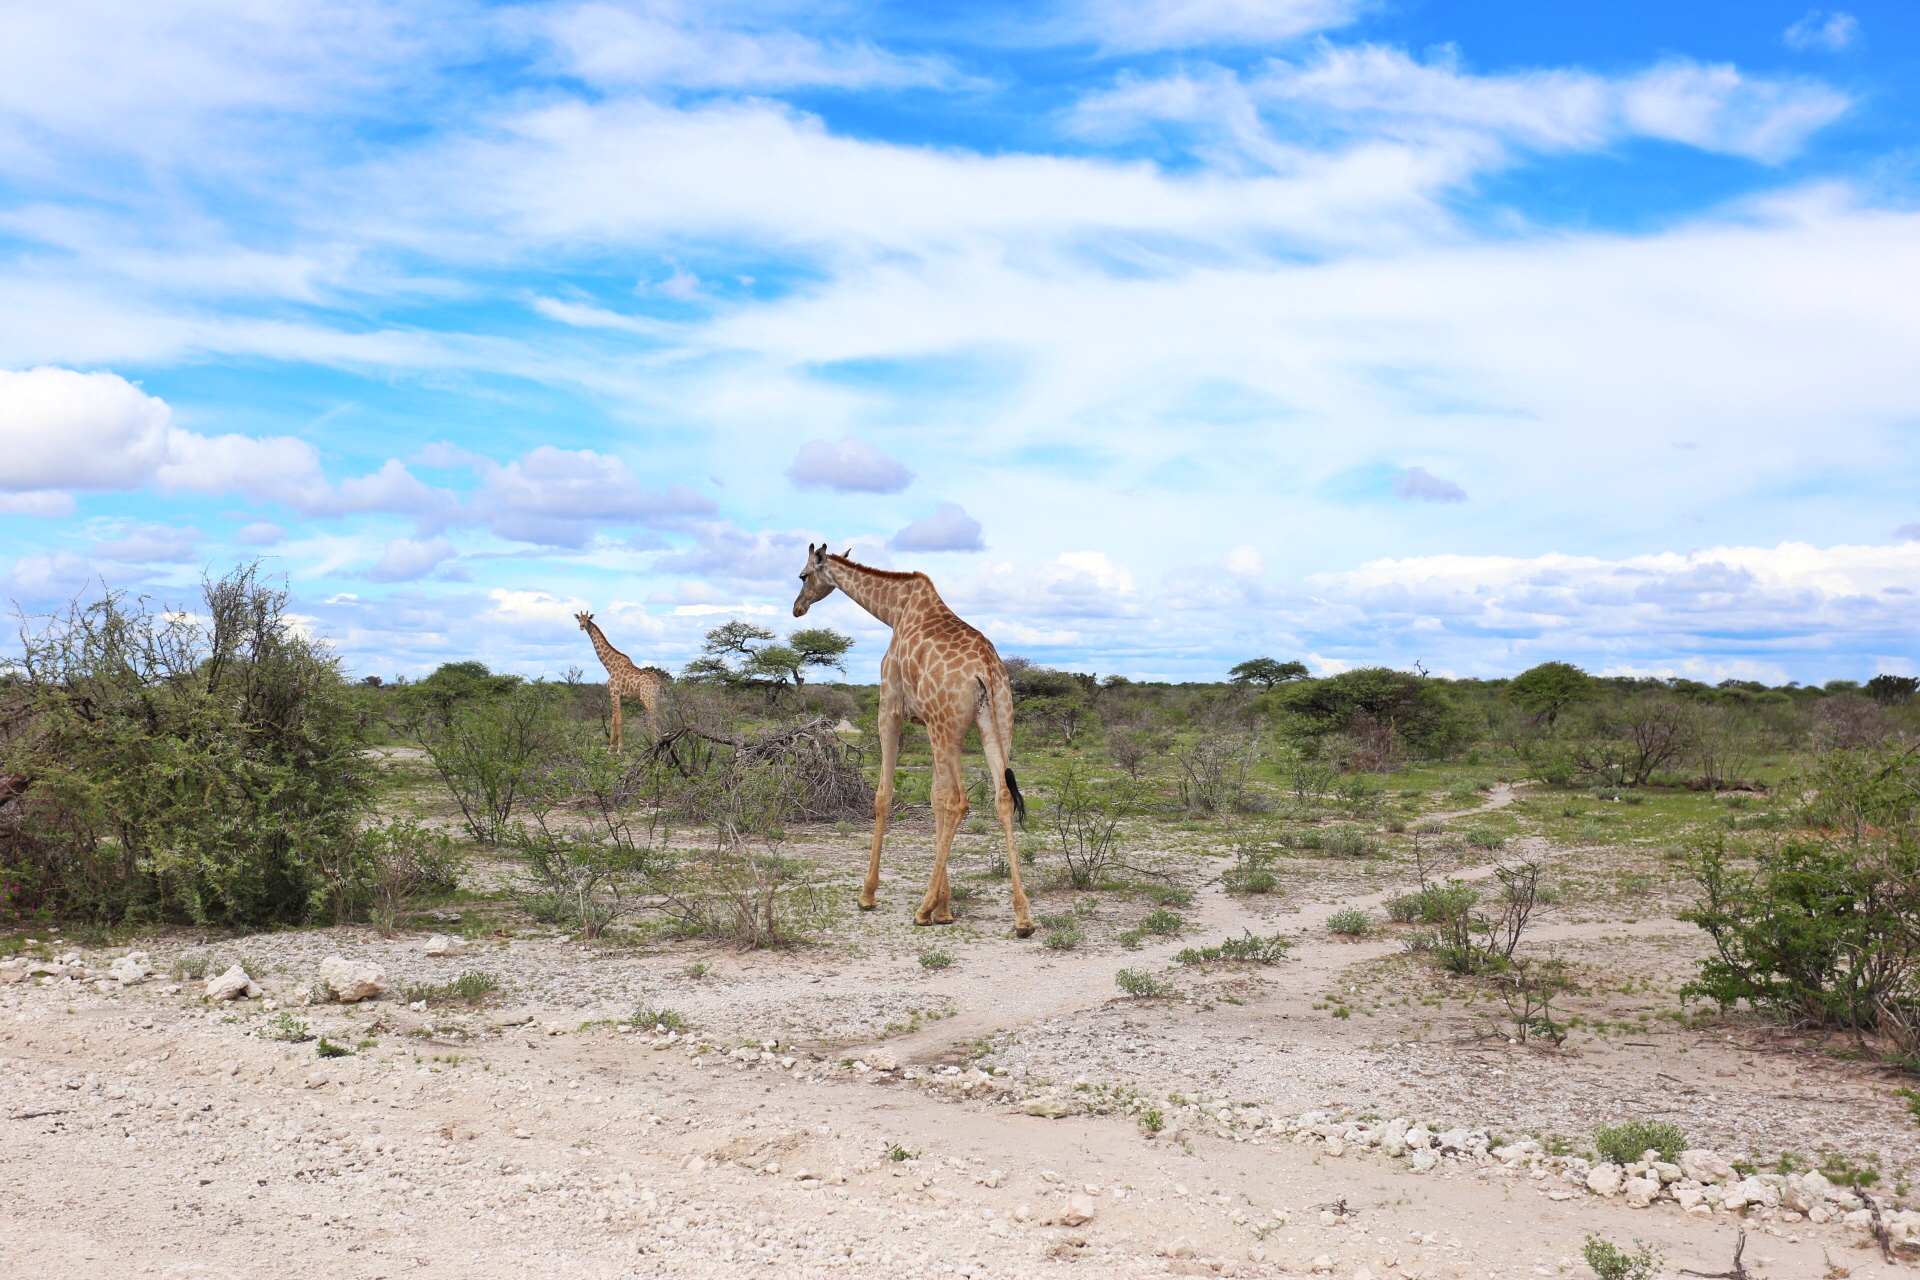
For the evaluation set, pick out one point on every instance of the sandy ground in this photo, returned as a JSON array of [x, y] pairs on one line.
[[143, 1132]]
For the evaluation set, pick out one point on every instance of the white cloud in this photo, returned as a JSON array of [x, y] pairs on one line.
[[1246, 563], [729, 553], [60, 428], [851, 466], [1186, 24], [1829, 32], [261, 533], [646, 44], [559, 496], [149, 544], [276, 468], [42, 579], [949, 528], [1373, 95], [408, 559], [1417, 484], [42, 503]]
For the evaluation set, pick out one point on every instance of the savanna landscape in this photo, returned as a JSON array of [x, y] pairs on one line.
[[1374, 974]]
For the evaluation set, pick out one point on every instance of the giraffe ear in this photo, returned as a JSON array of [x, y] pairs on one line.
[[847, 554]]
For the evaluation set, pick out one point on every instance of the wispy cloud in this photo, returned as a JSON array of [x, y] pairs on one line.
[[1829, 32]]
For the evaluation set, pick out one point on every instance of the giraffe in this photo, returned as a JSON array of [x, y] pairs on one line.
[[624, 680], [941, 673]]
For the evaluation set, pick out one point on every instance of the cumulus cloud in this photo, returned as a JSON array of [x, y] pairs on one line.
[[1417, 484], [949, 528], [62, 429], [261, 533], [42, 578], [148, 544], [407, 559], [851, 466], [37, 504], [732, 554], [1827, 32], [560, 496]]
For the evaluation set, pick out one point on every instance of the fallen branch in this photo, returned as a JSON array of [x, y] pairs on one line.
[[1739, 1271]]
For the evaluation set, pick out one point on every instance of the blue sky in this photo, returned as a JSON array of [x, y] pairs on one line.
[[1160, 333]]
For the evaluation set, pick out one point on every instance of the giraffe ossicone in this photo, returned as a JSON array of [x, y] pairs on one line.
[[624, 679], [943, 674]]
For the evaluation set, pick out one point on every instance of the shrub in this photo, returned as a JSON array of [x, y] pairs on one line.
[[1085, 817], [1139, 983], [1352, 923], [1167, 895], [1163, 922], [1612, 1263], [934, 958], [1063, 937], [648, 1018], [1626, 1143], [1482, 838], [1390, 712], [491, 749], [284, 1026], [1213, 774], [1404, 909], [1420, 942], [328, 1049], [1348, 843], [197, 763], [392, 861], [1250, 948]]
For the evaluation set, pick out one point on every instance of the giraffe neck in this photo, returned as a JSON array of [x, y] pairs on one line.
[[610, 658], [889, 599]]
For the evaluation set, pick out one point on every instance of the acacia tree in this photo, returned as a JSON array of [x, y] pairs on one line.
[[1267, 672], [742, 655], [1550, 688]]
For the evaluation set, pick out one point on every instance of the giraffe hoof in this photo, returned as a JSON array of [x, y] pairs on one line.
[[1023, 931], [868, 906]]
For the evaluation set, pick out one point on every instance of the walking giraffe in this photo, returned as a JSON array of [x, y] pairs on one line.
[[941, 673], [624, 680]]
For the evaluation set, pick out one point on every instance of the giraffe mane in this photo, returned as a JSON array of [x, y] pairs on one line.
[[880, 573]]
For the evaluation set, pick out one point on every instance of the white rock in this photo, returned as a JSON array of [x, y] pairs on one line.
[[230, 985], [1819, 1213], [13, 971], [1641, 1191], [1393, 1140], [351, 980], [442, 945], [1424, 1158], [1336, 1147], [1817, 1186], [316, 1077], [129, 971], [1051, 1108], [1455, 1140], [883, 1060], [1687, 1197], [1703, 1164], [1605, 1179], [1667, 1172], [1321, 1263], [1178, 1247], [1418, 1137], [1079, 1210]]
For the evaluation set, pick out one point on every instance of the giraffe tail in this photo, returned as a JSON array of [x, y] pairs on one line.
[[1019, 801]]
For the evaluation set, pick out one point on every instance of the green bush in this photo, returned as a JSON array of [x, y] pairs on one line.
[[1625, 1143], [491, 748], [1404, 908], [1352, 923], [1612, 1263], [1163, 922], [1250, 948], [935, 958], [1483, 838], [1063, 938], [647, 1018], [1139, 983], [189, 762]]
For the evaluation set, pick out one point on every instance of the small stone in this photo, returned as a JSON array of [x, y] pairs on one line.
[[1667, 1172], [13, 971], [1335, 1147], [1321, 1263], [1424, 1158], [1417, 1138], [316, 1077], [1021, 1212], [883, 1060], [1362, 1274], [1705, 1165], [1454, 1140], [442, 945], [351, 980], [1050, 1108], [992, 1179], [230, 985], [231, 1067], [1178, 1247], [1605, 1179], [1079, 1210], [1328, 1218]]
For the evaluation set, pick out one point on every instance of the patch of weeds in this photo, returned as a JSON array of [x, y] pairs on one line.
[[471, 987], [284, 1026], [1153, 1120], [646, 1018], [1132, 938], [1625, 1143], [328, 1049], [1163, 922], [1167, 895], [935, 958], [1844, 1172], [1063, 938], [898, 1153], [1913, 1102], [1139, 983], [1485, 838], [962, 892], [1610, 1262], [697, 970], [1351, 923], [1404, 909], [1250, 947], [188, 968]]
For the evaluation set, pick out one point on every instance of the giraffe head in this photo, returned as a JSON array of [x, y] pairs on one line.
[[816, 580], [584, 619]]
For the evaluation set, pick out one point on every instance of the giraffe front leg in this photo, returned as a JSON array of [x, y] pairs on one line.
[[882, 802], [619, 737]]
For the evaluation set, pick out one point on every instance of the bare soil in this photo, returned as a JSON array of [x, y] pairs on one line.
[[145, 1133]]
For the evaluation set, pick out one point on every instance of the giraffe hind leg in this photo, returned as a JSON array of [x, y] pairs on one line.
[[949, 807]]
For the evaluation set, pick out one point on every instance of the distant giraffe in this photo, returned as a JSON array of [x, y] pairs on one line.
[[624, 680], [941, 673]]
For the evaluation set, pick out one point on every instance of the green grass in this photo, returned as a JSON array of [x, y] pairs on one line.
[[1351, 923], [935, 958]]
